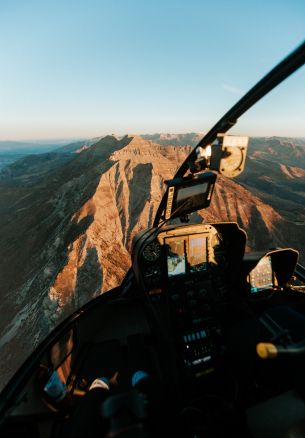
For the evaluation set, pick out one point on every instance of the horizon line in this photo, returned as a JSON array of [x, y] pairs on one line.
[[84, 138]]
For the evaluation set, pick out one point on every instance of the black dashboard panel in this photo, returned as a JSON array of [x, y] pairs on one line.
[[160, 257], [189, 274]]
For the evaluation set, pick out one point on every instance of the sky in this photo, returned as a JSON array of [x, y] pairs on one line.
[[78, 69]]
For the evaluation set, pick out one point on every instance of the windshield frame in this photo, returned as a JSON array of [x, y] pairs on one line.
[[278, 74]]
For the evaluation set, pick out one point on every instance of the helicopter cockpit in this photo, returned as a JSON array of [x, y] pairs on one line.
[[214, 306], [220, 329]]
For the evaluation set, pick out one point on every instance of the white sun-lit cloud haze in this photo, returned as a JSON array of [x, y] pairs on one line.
[[82, 69]]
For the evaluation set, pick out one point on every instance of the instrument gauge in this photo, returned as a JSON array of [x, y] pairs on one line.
[[152, 252], [152, 272]]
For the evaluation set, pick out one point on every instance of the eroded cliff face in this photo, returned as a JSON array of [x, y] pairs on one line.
[[67, 228], [124, 202]]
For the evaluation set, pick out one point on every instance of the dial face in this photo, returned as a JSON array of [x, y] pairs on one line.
[[152, 252], [233, 164]]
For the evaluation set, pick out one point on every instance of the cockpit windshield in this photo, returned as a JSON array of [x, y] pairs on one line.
[[70, 207]]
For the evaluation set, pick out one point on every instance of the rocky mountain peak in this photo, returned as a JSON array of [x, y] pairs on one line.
[[106, 145]]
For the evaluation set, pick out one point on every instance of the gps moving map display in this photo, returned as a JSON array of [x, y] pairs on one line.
[[198, 254], [186, 255], [193, 197], [176, 257], [261, 277]]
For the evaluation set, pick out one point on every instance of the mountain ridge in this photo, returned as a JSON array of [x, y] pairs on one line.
[[74, 221]]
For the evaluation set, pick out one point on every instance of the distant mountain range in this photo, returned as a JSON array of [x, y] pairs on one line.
[[15, 147], [11, 151], [275, 171], [67, 219]]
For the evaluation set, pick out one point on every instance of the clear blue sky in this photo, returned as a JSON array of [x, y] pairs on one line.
[[91, 67]]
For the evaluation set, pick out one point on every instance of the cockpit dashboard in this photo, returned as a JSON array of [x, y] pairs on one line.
[[183, 253], [188, 274], [194, 275]]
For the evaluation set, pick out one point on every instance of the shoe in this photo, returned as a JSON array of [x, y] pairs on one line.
[[104, 382], [138, 376], [53, 391]]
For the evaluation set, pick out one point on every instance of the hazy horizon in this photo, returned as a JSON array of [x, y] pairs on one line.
[[65, 141], [51, 140]]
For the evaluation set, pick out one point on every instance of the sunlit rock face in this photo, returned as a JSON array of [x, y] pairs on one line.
[[68, 218]]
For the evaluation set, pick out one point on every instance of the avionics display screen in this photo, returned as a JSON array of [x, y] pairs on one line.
[[186, 254], [192, 198], [176, 259], [197, 256], [261, 277]]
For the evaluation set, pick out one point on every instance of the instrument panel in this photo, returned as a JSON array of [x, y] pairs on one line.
[[188, 273], [184, 264], [163, 257], [261, 278], [269, 272]]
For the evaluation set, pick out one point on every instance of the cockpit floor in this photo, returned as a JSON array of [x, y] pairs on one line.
[[104, 359], [278, 417], [101, 359]]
